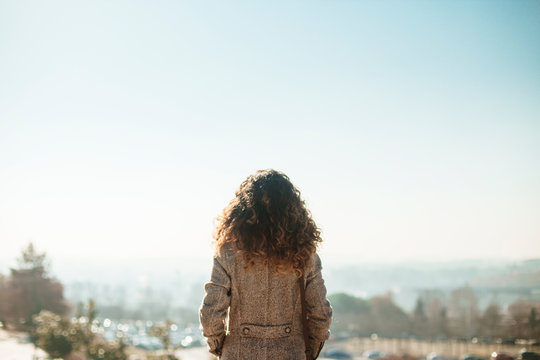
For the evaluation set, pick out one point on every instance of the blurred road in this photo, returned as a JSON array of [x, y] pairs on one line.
[[198, 353]]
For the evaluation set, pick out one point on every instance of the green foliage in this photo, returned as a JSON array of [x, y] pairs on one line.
[[533, 323], [55, 335], [436, 319], [351, 315], [389, 319], [347, 304], [103, 350], [162, 331], [58, 336], [490, 322], [362, 317]]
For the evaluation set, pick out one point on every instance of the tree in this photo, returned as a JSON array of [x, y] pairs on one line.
[[31, 260], [30, 289], [533, 324], [443, 326], [359, 317], [351, 315], [523, 319], [519, 313], [490, 322], [390, 320], [419, 321]]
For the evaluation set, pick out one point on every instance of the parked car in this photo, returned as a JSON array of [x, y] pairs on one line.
[[500, 356], [507, 341], [529, 355], [471, 357]]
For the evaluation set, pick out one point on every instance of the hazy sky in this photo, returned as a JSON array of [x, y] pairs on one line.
[[412, 128]]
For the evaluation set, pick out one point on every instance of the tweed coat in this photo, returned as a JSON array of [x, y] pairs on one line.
[[255, 314]]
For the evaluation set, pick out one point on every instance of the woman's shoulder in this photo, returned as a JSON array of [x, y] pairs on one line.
[[226, 251], [314, 265]]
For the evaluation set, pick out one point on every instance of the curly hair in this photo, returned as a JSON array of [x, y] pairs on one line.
[[268, 221]]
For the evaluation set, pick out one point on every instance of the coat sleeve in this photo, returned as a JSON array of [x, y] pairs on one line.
[[213, 311], [319, 311]]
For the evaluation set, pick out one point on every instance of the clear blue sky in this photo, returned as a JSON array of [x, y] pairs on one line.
[[411, 127]]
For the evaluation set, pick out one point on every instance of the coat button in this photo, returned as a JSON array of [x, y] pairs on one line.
[[245, 330], [287, 329]]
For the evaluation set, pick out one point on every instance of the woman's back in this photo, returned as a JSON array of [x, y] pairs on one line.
[[264, 319], [260, 295], [265, 240]]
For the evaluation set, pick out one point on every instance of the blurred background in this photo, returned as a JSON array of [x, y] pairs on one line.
[[412, 129]]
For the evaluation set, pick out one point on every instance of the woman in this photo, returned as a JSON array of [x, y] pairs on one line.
[[265, 241]]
